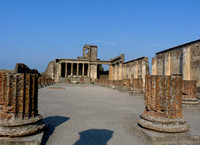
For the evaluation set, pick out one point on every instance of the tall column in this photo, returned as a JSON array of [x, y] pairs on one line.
[[110, 72], [144, 72], [59, 70], [167, 64], [186, 64], [71, 69], [136, 70], [113, 72], [154, 66], [65, 69], [77, 69], [116, 69], [120, 71], [88, 71], [83, 69]]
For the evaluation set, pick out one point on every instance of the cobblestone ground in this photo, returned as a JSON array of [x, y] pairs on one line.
[[92, 115]]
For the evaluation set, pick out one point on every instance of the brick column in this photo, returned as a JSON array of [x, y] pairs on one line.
[[19, 105], [163, 104]]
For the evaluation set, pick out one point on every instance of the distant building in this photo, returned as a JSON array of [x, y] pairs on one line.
[[183, 60], [85, 67]]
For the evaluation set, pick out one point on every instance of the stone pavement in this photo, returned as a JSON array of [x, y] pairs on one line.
[[80, 114]]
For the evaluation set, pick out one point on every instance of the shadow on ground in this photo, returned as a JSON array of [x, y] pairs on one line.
[[94, 137], [51, 123]]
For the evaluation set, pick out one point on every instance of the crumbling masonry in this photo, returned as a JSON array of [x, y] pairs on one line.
[[163, 104], [19, 105]]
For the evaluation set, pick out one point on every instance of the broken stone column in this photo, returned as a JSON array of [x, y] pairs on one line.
[[189, 88], [163, 105], [19, 105]]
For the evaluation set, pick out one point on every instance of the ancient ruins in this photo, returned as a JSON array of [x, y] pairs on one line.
[[174, 82], [163, 104], [19, 105], [183, 60], [69, 70]]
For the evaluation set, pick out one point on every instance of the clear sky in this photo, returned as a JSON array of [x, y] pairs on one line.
[[35, 32]]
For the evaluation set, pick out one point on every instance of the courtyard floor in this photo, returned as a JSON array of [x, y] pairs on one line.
[[78, 114]]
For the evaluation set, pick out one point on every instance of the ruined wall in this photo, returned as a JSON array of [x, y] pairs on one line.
[[120, 70], [93, 53], [183, 60], [175, 62], [50, 71], [195, 63], [137, 68], [116, 68], [22, 68]]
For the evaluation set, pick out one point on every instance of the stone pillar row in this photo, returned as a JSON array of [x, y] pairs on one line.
[[19, 104], [77, 69], [44, 81]]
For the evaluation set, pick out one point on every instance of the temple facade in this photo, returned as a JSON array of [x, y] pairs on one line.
[[85, 67]]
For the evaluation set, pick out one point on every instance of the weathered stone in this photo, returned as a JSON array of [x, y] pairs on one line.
[[189, 88], [137, 84], [163, 105], [19, 105], [183, 60], [126, 85], [22, 68], [137, 68]]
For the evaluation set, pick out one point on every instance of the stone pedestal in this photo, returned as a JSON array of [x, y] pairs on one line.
[[163, 105], [19, 105], [189, 88]]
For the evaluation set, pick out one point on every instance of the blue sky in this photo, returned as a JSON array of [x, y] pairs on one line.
[[35, 32]]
